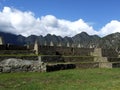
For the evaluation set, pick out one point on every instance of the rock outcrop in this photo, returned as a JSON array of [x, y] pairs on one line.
[[19, 65]]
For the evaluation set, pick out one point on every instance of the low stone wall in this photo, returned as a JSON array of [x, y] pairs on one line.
[[23, 57], [32, 63], [75, 61], [53, 63], [113, 59], [108, 62], [16, 52], [109, 53], [52, 59], [115, 62], [79, 59], [57, 59], [53, 50], [12, 47], [105, 65], [87, 65]]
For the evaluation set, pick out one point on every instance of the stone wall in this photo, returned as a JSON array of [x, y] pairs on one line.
[[8, 64], [53, 50], [87, 65], [67, 51], [23, 57], [63, 59], [17, 52], [60, 57], [79, 59], [108, 62], [113, 59], [52, 59], [109, 53], [12, 47]]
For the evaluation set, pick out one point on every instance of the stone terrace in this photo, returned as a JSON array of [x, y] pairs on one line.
[[59, 58]]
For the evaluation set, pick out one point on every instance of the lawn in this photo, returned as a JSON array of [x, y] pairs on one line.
[[74, 79]]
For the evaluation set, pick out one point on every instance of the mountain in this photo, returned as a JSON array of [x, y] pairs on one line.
[[12, 39], [110, 41], [82, 39], [86, 40]]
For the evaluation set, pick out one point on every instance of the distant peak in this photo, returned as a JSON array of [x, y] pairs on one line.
[[83, 33]]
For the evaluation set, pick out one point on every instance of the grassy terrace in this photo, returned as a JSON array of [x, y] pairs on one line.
[[76, 79]]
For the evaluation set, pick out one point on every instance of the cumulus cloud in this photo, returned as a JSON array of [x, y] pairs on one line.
[[25, 23], [111, 27]]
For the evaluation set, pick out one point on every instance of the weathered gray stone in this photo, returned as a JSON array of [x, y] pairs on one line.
[[59, 45], [1, 41], [79, 46], [68, 45], [97, 52], [103, 62], [7, 69], [51, 43], [19, 65], [36, 47]]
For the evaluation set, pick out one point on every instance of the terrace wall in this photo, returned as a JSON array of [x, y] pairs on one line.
[[66, 51]]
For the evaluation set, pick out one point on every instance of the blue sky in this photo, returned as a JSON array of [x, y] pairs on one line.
[[95, 13]]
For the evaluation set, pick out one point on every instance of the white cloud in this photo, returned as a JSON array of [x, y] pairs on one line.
[[25, 23], [18, 22], [112, 27]]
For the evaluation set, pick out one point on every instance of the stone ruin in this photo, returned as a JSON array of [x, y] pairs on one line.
[[37, 58], [36, 47], [1, 41]]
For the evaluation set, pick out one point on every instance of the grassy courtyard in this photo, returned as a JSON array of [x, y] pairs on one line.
[[75, 79]]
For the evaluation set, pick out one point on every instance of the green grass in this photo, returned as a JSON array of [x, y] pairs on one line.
[[76, 79]]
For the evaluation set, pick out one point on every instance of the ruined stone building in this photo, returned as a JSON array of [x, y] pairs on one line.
[[49, 57]]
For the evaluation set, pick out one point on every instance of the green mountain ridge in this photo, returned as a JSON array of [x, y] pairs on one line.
[[82, 39]]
